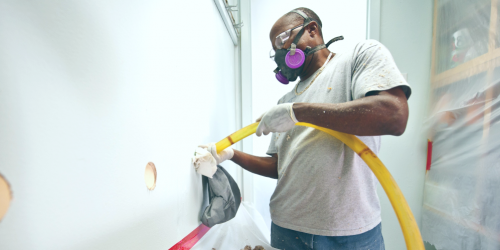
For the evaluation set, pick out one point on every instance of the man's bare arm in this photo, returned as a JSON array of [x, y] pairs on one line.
[[382, 113], [265, 166]]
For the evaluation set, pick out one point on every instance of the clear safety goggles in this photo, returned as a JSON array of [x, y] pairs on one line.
[[281, 39]]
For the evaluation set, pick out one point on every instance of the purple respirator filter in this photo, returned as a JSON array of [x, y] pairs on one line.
[[293, 62], [281, 78], [296, 60]]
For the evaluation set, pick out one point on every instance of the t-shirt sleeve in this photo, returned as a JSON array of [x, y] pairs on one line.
[[374, 69]]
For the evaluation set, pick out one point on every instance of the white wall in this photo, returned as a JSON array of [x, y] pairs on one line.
[[90, 92], [347, 18], [406, 29]]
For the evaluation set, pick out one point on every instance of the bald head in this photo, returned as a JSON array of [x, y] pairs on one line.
[[284, 23], [291, 20]]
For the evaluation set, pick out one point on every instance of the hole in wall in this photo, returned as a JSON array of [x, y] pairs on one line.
[[150, 176], [5, 196]]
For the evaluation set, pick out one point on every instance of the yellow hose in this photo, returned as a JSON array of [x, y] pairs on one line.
[[407, 222]]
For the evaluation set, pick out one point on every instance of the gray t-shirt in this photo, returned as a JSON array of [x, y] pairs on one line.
[[324, 188]]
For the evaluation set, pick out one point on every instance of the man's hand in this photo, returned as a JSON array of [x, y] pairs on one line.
[[279, 118], [206, 159], [226, 154], [204, 163]]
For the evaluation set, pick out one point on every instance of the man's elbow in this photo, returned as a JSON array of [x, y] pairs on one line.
[[398, 119], [395, 111], [398, 130], [398, 122]]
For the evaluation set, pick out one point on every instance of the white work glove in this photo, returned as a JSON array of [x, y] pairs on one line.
[[279, 118], [204, 163], [225, 154], [206, 159]]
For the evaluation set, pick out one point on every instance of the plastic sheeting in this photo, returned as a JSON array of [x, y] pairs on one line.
[[462, 188], [247, 228]]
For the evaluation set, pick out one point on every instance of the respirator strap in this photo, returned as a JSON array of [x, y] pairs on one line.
[[309, 51], [307, 20], [334, 40], [300, 13]]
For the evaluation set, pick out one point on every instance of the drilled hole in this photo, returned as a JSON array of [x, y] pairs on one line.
[[150, 176], [5, 196]]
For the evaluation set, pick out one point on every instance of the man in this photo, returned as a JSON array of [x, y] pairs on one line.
[[325, 196]]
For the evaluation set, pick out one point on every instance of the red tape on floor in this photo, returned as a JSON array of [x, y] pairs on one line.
[[191, 239]]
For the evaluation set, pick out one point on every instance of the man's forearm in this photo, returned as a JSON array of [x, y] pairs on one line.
[[265, 166], [383, 114]]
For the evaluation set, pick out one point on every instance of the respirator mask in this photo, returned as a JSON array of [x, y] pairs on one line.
[[291, 61]]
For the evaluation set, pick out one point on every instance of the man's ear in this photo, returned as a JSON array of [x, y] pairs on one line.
[[313, 29]]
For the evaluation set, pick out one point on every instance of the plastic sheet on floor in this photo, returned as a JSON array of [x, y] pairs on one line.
[[247, 228]]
